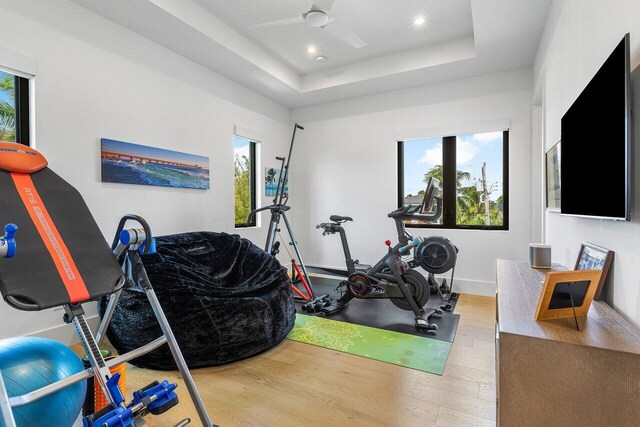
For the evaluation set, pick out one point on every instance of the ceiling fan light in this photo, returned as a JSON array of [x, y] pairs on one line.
[[419, 21], [316, 18]]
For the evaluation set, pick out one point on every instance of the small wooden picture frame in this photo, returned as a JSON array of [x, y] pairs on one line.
[[564, 291], [593, 257]]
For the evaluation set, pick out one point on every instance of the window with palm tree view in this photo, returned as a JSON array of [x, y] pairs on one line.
[[7, 107], [14, 108], [470, 173], [244, 153]]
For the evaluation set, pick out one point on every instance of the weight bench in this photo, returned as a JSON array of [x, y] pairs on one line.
[[62, 260]]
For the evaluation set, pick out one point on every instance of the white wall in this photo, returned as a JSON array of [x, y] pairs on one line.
[[348, 166], [95, 79], [579, 36]]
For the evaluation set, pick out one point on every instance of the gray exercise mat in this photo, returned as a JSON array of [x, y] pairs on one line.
[[381, 313]]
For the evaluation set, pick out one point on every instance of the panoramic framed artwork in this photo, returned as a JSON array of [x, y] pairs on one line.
[[593, 257], [127, 163], [272, 177], [553, 182]]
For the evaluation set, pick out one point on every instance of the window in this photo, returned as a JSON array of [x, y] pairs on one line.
[[472, 179], [245, 180], [14, 108]]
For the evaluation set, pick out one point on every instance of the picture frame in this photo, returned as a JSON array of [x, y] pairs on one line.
[[594, 257], [128, 163], [567, 294], [552, 177]]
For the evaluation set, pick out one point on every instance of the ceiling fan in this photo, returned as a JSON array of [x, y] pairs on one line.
[[318, 16]]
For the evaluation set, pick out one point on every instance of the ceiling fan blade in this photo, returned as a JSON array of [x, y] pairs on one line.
[[280, 22], [323, 5], [341, 32]]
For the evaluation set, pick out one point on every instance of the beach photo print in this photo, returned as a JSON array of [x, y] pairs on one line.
[[128, 163]]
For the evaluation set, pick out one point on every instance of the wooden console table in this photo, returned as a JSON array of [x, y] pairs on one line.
[[548, 373]]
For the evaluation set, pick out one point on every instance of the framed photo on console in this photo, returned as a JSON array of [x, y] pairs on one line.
[[567, 294], [593, 257]]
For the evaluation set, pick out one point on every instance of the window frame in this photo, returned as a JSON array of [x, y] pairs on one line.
[[253, 195], [449, 190], [21, 86]]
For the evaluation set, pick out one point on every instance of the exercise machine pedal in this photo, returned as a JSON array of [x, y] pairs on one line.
[[317, 304]]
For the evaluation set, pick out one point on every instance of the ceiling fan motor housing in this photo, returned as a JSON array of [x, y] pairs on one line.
[[316, 18]]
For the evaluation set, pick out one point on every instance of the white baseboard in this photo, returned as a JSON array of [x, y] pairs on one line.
[[466, 286], [65, 333]]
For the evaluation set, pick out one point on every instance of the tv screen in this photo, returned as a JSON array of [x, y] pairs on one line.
[[595, 143]]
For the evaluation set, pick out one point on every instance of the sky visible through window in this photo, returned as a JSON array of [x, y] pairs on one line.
[[240, 147], [420, 155]]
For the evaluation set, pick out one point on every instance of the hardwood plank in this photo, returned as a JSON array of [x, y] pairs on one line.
[[299, 384], [447, 417]]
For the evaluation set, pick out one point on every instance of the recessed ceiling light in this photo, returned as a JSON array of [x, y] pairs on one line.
[[419, 20], [311, 50], [321, 58]]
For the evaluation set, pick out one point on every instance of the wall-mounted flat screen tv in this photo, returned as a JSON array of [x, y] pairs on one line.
[[596, 141]]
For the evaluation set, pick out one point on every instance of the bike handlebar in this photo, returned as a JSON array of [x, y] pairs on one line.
[[399, 212]]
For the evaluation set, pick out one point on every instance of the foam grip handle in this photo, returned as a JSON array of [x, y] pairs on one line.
[[8, 242], [152, 249]]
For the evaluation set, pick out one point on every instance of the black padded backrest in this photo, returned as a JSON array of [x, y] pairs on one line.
[[31, 280]]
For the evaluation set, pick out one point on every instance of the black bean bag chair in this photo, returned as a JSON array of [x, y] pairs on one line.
[[225, 299]]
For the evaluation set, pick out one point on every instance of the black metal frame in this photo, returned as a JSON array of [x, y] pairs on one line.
[[449, 190], [251, 222], [22, 110]]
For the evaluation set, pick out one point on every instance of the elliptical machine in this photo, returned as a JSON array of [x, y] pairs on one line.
[[278, 209], [394, 276]]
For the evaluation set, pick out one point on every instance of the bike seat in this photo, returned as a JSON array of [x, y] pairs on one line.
[[339, 218]]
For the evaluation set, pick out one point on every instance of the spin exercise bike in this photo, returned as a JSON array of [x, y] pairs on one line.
[[394, 277]]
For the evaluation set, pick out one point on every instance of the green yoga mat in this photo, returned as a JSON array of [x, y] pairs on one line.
[[423, 354]]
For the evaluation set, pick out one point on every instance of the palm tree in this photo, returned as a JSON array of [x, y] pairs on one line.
[[271, 176], [462, 203], [7, 110], [242, 183], [437, 173], [469, 206]]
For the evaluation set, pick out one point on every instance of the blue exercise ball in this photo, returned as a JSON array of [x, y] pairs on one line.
[[29, 363]]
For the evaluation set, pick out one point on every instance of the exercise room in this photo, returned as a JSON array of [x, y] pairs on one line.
[[319, 213]]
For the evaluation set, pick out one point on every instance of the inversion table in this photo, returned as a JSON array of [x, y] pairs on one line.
[[62, 260]]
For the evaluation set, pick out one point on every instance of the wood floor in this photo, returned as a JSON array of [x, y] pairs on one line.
[[297, 384]]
